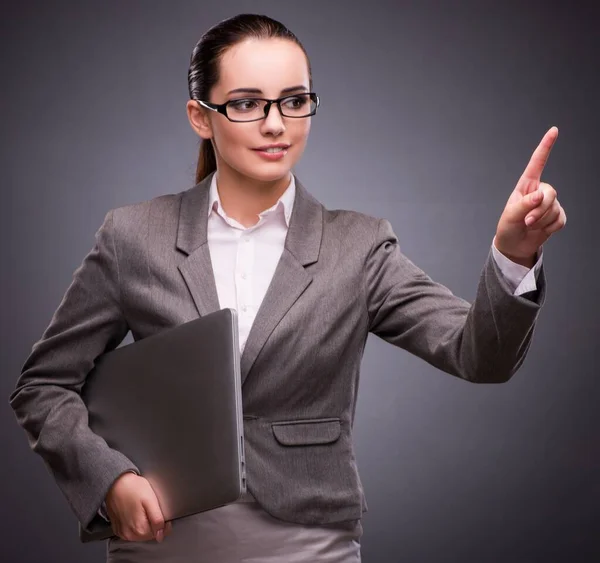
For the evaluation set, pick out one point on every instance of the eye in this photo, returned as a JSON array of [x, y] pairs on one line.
[[295, 102], [245, 104]]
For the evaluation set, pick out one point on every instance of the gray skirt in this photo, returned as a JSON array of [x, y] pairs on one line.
[[242, 532]]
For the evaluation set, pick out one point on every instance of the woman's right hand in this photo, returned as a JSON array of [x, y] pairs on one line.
[[134, 511]]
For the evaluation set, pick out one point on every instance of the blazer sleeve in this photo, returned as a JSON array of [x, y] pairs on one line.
[[482, 342], [47, 400]]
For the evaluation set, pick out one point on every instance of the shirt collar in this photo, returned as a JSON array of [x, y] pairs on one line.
[[285, 202]]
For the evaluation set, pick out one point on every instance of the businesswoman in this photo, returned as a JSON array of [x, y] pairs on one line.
[[309, 284]]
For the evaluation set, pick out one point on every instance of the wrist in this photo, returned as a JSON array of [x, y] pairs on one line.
[[526, 261]]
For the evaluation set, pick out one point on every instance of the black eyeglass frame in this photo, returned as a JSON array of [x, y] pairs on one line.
[[222, 108]]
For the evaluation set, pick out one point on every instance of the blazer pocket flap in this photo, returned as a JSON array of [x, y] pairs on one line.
[[305, 432]]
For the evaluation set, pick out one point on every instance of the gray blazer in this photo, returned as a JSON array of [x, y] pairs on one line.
[[341, 275]]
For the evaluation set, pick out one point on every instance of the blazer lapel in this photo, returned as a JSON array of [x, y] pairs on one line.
[[290, 279], [197, 269]]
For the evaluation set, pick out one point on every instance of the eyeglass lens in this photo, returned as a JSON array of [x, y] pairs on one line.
[[248, 109]]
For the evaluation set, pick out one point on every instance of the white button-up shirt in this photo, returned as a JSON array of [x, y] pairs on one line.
[[244, 258]]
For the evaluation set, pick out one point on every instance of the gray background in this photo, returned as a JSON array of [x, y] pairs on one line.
[[430, 113]]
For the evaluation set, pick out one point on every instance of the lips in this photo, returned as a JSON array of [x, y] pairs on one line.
[[273, 153], [272, 146]]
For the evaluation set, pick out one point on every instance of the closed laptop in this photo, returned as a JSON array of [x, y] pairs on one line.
[[172, 404]]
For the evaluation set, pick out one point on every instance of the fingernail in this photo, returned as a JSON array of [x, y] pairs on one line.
[[159, 536], [529, 220]]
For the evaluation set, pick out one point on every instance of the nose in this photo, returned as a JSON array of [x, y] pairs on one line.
[[273, 123]]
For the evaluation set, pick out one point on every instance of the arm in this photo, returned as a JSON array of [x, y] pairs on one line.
[[485, 342], [47, 402]]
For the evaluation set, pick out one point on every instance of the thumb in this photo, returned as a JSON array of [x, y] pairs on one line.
[[526, 204], [155, 517]]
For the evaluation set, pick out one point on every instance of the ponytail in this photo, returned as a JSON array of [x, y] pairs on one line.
[[207, 161]]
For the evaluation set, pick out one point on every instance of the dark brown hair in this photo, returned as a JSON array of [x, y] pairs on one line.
[[203, 73]]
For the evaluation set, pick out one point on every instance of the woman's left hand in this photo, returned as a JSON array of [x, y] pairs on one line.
[[532, 213]]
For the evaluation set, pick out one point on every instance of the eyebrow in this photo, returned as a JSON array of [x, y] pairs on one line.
[[259, 91]]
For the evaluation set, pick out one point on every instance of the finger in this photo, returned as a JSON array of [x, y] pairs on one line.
[[548, 194], [138, 527], [523, 207], [155, 516], [143, 528], [168, 528], [534, 168], [115, 524], [547, 218], [140, 531], [558, 224]]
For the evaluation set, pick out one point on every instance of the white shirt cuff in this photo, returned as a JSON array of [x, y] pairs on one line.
[[519, 278], [102, 512]]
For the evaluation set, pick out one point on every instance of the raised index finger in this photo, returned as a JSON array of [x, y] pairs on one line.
[[540, 155]]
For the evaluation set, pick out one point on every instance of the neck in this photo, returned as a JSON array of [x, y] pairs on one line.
[[244, 198]]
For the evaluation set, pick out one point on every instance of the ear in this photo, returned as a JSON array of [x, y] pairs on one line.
[[199, 119]]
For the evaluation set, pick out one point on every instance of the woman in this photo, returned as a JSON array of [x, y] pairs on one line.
[[309, 285]]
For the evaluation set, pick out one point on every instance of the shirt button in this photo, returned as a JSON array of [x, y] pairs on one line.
[[244, 308], [243, 276], [247, 239]]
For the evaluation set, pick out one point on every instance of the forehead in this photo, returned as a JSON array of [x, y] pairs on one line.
[[267, 64]]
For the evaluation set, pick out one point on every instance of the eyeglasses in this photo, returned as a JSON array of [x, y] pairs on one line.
[[254, 109]]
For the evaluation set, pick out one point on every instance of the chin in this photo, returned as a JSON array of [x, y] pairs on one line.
[[269, 172]]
